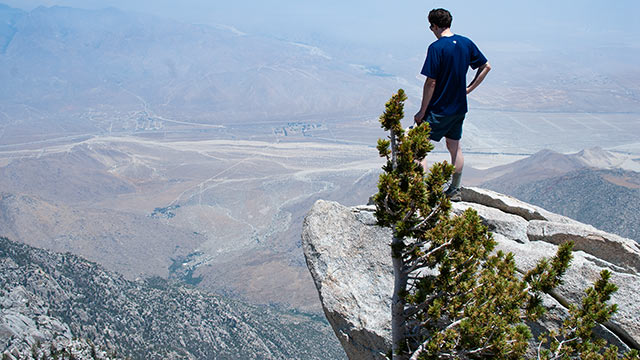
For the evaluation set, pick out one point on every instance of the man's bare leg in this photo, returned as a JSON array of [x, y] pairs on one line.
[[457, 160]]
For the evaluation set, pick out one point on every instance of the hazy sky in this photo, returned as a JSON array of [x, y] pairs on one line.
[[532, 41], [554, 23]]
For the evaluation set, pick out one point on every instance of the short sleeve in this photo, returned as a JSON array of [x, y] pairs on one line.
[[476, 58], [430, 67]]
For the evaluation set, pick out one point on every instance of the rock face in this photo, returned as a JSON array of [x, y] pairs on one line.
[[347, 257], [350, 261]]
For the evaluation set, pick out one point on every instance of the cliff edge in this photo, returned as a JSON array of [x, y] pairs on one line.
[[349, 258]]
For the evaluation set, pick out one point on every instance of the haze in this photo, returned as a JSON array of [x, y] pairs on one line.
[[552, 24]]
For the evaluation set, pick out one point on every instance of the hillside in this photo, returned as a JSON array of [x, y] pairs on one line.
[[46, 295], [131, 244]]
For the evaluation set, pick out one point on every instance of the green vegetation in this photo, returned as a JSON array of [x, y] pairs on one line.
[[454, 297], [166, 212]]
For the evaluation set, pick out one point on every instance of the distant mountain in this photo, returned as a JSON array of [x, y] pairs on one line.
[[585, 186], [541, 165], [548, 163], [46, 296], [109, 71]]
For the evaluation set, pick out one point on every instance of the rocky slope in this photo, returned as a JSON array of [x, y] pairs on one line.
[[348, 257], [50, 298]]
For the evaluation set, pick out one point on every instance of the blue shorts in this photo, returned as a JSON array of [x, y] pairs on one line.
[[449, 126]]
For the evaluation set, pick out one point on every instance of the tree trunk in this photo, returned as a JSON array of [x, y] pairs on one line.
[[398, 321], [394, 150]]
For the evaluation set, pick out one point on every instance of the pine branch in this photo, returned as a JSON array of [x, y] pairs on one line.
[[421, 225], [423, 258]]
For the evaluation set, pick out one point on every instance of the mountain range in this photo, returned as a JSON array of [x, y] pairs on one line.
[[68, 71]]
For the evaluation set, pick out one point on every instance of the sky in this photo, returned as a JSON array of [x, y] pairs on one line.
[[401, 24]]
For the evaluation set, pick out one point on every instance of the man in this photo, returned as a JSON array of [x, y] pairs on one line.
[[444, 97]]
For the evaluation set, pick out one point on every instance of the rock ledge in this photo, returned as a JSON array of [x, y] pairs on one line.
[[349, 259]]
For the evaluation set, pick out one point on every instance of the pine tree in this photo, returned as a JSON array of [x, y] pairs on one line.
[[453, 297]]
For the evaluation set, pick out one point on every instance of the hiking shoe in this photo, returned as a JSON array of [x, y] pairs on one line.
[[454, 194]]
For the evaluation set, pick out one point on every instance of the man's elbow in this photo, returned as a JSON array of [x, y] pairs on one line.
[[487, 66]]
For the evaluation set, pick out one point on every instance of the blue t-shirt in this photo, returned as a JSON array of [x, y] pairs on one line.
[[448, 60]]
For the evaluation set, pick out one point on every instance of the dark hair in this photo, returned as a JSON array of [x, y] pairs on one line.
[[440, 18]]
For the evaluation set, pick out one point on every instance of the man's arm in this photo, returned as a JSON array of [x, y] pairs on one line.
[[482, 72], [427, 93]]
